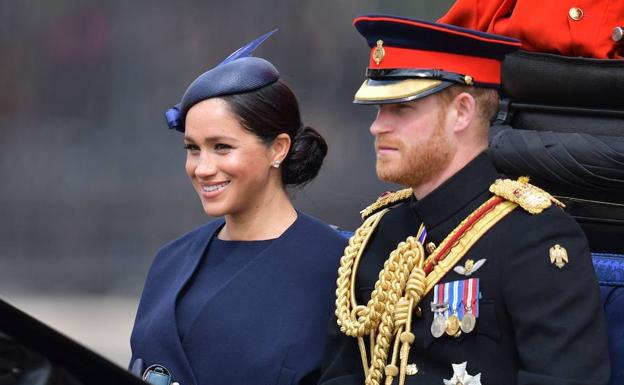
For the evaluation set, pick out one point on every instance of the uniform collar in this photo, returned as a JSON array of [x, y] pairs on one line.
[[457, 192]]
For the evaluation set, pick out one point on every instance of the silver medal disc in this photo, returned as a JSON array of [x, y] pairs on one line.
[[438, 326], [468, 322]]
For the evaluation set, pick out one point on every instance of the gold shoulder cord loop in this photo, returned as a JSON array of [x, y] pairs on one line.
[[407, 277], [377, 315], [345, 292]]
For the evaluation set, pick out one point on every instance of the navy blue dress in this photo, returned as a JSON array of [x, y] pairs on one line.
[[263, 317]]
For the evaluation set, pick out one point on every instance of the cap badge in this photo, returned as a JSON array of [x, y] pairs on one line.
[[558, 256], [461, 377], [469, 267], [379, 52]]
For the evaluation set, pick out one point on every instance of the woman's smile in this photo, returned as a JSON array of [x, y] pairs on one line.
[[212, 190]]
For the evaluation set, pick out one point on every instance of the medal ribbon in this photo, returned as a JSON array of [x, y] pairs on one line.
[[455, 299], [446, 299], [423, 234], [471, 290]]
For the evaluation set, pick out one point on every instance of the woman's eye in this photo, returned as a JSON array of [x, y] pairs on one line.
[[191, 147], [222, 147]]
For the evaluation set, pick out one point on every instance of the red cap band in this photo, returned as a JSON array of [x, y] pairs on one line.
[[482, 70]]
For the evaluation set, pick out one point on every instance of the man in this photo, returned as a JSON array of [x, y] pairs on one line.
[[464, 277]]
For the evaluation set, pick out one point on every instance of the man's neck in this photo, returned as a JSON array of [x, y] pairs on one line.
[[459, 161]]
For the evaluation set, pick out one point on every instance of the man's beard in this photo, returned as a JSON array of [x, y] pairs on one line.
[[423, 164]]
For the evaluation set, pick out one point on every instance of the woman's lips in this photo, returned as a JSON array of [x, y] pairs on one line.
[[213, 189]]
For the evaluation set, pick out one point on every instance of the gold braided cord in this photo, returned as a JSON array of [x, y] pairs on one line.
[[391, 287], [466, 241], [355, 321], [386, 200], [401, 286], [378, 314]]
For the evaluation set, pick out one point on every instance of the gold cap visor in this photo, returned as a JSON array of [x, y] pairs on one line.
[[397, 91]]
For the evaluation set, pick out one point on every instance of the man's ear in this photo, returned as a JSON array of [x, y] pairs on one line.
[[280, 146], [466, 110]]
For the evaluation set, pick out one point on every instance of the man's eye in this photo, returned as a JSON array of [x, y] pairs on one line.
[[191, 147]]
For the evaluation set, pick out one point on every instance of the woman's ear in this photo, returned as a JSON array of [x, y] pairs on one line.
[[466, 109], [280, 147]]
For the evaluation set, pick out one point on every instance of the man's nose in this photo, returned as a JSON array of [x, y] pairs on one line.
[[381, 123]]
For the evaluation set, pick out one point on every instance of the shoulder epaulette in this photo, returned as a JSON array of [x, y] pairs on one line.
[[386, 200], [531, 198]]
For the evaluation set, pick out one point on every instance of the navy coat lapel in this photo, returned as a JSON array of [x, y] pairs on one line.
[[195, 252], [250, 289], [175, 265]]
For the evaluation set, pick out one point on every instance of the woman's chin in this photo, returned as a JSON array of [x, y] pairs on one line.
[[213, 209]]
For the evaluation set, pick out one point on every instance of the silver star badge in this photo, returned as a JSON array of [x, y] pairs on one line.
[[461, 377]]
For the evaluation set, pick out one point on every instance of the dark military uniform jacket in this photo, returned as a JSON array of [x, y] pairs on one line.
[[538, 324]]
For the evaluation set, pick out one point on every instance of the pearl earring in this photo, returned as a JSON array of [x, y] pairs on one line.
[[276, 163]]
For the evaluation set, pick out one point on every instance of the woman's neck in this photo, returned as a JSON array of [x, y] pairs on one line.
[[268, 218]]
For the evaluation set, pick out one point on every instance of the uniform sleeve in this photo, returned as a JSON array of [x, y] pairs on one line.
[[341, 364], [556, 312]]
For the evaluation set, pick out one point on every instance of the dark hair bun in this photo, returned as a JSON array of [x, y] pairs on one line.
[[305, 158]]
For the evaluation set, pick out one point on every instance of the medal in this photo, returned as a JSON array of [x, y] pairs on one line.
[[469, 298], [452, 322], [468, 322], [455, 307], [438, 326], [438, 307], [452, 325]]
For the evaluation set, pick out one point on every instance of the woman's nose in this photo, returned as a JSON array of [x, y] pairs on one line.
[[206, 166]]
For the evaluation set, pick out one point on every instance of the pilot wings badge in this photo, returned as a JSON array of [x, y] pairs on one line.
[[469, 267]]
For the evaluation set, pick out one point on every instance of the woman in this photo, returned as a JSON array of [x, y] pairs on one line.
[[244, 299]]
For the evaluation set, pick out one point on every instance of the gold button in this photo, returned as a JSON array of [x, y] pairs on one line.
[[575, 13], [617, 34]]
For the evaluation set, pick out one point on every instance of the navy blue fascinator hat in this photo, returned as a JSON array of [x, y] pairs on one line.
[[238, 73]]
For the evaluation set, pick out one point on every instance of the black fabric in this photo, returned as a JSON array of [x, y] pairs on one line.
[[569, 164], [536, 119], [34, 354], [538, 324], [549, 79], [602, 222]]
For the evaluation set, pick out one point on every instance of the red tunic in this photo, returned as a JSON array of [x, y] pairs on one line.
[[584, 28]]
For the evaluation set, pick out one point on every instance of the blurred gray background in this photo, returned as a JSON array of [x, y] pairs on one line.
[[93, 182]]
